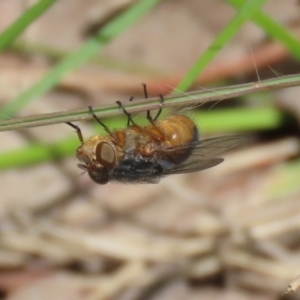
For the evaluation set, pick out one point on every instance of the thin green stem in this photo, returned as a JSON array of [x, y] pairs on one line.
[[246, 11], [238, 119], [200, 96], [273, 29], [78, 57], [23, 21]]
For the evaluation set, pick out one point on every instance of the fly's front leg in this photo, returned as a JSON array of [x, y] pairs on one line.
[[78, 131]]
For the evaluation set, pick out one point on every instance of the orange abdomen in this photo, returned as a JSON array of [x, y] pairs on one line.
[[178, 130]]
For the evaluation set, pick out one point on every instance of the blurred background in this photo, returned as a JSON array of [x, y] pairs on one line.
[[232, 231]]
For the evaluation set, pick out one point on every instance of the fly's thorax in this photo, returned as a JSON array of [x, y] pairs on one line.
[[134, 139], [178, 130]]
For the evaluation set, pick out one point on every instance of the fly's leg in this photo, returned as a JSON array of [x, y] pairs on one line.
[[128, 115], [78, 131], [155, 132], [117, 139], [129, 119], [162, 100], [100, 122]]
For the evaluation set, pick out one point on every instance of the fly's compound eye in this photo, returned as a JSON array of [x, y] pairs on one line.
[[106, 155]]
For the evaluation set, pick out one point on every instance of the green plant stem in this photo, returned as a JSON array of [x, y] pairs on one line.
[[245, 12], [23, 21], [78, 57], [273, 29], [238, 119], [37, 153], [200, 96]]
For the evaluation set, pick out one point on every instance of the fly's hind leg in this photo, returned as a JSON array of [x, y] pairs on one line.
[[162, 100], [154, 131], [128, 119]]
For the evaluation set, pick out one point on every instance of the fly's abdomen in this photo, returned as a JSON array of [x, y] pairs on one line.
[[179, 131]]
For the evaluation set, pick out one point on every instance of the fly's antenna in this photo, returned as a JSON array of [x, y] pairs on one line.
[[78, 131]]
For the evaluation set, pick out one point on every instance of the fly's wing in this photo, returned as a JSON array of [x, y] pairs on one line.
[[203, 154], [190, 165]]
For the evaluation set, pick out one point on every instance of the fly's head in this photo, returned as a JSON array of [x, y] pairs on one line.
[[97, 158]]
